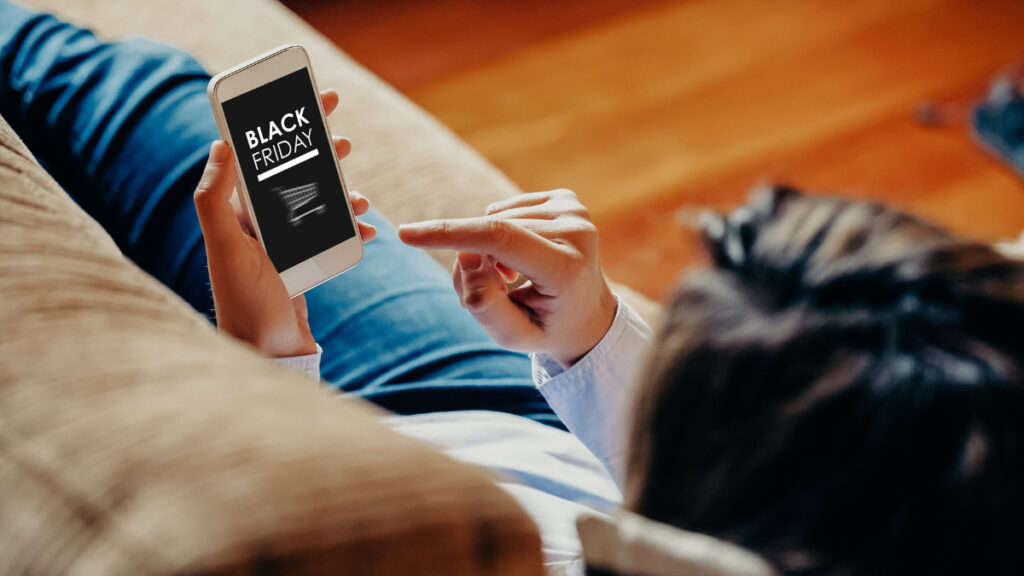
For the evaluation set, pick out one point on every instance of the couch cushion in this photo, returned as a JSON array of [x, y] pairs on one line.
[[135, 440]]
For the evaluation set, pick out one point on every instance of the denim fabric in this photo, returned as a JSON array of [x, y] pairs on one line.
[[125, 128]]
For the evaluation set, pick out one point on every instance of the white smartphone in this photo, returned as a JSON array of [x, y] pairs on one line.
[[268, 109]]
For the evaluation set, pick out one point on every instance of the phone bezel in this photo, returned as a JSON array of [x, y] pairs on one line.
[[244, 78]]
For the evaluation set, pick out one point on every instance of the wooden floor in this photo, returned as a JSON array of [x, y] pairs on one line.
[[654, 109]]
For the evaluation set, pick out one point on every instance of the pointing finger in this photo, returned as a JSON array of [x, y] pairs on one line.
[[508, 242]]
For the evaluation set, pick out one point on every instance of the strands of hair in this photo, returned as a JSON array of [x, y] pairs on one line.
[[841, 392]]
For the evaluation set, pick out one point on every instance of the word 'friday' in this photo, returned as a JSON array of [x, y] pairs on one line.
[[275, 152]]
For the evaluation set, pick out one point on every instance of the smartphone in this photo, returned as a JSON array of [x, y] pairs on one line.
[[268, 109]]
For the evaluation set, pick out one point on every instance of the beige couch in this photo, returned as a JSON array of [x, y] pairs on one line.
[[133, 439]]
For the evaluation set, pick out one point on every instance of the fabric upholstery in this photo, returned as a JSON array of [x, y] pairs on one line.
[[135, 440]]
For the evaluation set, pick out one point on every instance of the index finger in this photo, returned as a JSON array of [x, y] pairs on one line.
[[511, 244]]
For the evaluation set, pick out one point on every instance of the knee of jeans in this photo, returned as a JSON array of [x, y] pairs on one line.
[[153, 62]]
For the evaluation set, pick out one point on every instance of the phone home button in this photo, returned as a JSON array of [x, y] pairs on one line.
[[302, 276]]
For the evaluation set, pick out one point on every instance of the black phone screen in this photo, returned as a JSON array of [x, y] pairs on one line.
[[288, 163]]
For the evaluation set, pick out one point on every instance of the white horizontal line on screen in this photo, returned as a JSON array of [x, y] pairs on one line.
[[289, 164]]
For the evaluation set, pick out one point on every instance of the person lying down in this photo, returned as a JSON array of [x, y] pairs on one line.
[[839, 392]]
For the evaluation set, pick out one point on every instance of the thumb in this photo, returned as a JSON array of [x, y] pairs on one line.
[[221, 229], [485, 295]]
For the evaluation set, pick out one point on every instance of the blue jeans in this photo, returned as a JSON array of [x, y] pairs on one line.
[[125, 128]]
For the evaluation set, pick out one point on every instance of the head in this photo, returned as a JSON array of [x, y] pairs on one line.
[[841, 391]]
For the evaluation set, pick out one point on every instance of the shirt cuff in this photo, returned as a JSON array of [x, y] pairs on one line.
[[590, 396], [627, 324], [308, 364]]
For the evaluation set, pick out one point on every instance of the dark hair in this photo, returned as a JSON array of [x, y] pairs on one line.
[[840, 392]]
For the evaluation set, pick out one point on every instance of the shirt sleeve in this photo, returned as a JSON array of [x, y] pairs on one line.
[[308, 364], [591, 396]]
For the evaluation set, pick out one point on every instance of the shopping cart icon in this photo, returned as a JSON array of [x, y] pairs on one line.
[[301, 201]]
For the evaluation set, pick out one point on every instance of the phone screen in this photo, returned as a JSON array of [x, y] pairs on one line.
[[288, 163]]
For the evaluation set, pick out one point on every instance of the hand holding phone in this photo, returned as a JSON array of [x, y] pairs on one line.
[[291, 185], [251, 301]]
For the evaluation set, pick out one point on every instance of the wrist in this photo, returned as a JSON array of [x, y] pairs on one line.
[[305, 346], [593, 331], [274, 344]]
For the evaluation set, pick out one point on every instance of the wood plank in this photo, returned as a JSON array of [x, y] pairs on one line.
[[411, 43], [572, 115], [938, 174], [689, 104], [655, 109]]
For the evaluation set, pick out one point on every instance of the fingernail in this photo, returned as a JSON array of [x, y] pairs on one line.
[[218, 151], [469, 261], [409, 233]]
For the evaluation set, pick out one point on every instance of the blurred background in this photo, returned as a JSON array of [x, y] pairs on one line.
[[654, 109]]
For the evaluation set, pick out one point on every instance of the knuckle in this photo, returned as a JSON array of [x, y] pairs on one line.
[[492, 208], [477, 293], [475, 298], [587, 228], [201, 197], [501, 232], [581, 233], [439, 228], [574, 207], [566, 194]]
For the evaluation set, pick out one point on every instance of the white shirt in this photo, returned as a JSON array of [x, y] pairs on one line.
[[553, 475]]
